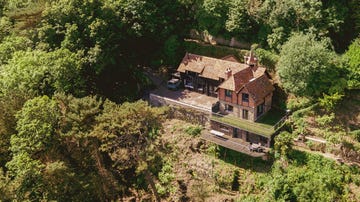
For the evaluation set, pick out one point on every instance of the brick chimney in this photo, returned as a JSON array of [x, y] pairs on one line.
[[251, 60], [228, 73]]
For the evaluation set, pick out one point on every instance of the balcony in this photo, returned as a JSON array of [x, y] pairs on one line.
[[233, 143], [266, 126]]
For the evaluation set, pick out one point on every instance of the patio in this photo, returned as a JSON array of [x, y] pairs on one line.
[[186, 96]]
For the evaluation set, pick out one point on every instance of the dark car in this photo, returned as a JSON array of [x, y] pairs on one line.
[[173, 84]]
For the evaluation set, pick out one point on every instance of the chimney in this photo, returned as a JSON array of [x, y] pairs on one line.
[[252, 61], [228, 73]]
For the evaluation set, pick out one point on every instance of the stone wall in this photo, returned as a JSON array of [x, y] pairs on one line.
[[218, 40]]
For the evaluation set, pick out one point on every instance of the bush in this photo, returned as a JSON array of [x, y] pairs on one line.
[[166, 176], [328, 102], [325, 120], [296, 103], [283, 143], [356, 134], [193, 130]]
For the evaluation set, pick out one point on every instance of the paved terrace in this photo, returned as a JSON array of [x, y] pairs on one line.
[[187, 96]]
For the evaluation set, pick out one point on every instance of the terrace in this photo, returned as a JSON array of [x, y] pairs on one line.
[[266, 126], [234, 144]]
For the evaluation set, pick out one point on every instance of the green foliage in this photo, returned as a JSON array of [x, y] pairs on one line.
[[329, 102], [78, 115], [193, 130], [166, 178], [10, 45], [27, 176], [171, 50], [5, 187], [352, 56], [239, 23], [356, 134], [283, 143], [212, 15], [317, 179], [309, 16], [36, 124], [40, 73], [297, 103], [325, 119], [128, 133], [306, 66], [6, 27], [267, 58]]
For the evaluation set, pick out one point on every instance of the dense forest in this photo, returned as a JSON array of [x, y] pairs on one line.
[[73, 127]]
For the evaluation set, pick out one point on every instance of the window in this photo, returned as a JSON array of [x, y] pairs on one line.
[[260, 109], [245, 114], [245, 97], [228, 93], [229, 108]]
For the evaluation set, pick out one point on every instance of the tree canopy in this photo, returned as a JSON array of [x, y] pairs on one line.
[[307, 67]]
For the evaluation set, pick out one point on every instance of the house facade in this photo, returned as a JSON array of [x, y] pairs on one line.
[[244, 92]]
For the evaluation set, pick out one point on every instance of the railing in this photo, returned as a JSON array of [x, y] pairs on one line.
[[280, 123]]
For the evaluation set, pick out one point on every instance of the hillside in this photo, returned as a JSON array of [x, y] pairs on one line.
[[201, 171], [74, 125]]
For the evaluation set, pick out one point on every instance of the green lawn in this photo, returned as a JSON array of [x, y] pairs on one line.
[[263, 127], [271, 117]]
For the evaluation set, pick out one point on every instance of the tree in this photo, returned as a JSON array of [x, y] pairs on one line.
[[239, 22], [309, 16], [267, 58], [116, 39], [128, 134], [306, 66], [12, 44], [211, 16], [36, 124], [352, 57], [35, 73], [77, 122]]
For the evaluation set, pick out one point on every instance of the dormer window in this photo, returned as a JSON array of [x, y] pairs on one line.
[[228, 93], [245, 97]]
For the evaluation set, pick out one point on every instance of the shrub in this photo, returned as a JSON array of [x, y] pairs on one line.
[[283, 143], [193, 130], [296, 103], [325, 120], [166, 176], [328, 102]]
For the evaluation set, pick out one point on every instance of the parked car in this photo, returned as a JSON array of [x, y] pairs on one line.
[[173, 84]]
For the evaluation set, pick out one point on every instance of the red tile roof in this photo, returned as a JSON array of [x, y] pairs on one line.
[[231, 58], [260, 87], [208, 67]]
